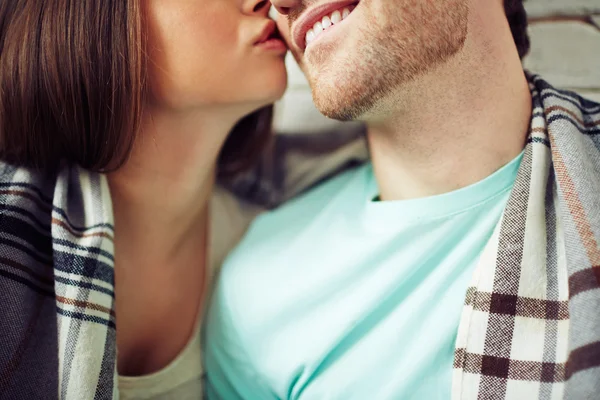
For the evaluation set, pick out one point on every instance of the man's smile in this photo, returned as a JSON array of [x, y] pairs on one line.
[[318, 21]]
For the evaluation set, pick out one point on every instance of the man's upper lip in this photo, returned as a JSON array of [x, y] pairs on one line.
[[268, 31], [308, 19]]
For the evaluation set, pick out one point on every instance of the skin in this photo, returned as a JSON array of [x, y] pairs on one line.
[[204, 75], [438, 83]]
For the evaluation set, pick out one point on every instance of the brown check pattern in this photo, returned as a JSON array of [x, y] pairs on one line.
[[497, 303], [530, 328], [509, 369]]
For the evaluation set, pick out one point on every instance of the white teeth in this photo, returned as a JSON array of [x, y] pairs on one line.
[[329, 20], [336, 17], [318, 28], [310, 35]]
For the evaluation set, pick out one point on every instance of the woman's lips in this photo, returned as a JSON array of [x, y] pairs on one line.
[[270, 39]]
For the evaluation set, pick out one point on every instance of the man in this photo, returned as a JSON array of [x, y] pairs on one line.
[[463, 261]]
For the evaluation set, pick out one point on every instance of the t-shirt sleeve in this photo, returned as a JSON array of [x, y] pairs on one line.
[[230, 371]]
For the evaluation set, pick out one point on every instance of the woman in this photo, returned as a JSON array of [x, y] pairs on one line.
[[116, 116]]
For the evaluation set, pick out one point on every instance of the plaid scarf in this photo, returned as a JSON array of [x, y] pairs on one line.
[[530, 328], [58, 337]]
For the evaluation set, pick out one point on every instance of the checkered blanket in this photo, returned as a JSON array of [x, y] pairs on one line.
[[530, 328]]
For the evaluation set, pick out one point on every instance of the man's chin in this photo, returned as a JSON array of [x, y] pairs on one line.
[[335, 104], [339, 91]]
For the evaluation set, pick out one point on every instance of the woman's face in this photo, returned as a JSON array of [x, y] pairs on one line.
[[207, 53]]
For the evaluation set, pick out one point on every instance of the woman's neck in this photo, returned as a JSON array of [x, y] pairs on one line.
[[160, 202], [160, 196]]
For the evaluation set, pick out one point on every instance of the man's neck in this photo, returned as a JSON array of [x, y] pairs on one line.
[[456, 125]]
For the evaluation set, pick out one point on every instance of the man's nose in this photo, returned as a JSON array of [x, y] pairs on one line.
[[284, 6]]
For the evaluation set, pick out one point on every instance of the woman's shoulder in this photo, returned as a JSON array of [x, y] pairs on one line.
[[26, 188], [61, 218], [230, 217], [31, 199], [25, 217]]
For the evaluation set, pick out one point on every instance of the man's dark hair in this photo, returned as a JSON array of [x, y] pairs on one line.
[[517, 19]]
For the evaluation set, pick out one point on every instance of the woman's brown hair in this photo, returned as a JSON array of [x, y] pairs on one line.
[[73, 83]]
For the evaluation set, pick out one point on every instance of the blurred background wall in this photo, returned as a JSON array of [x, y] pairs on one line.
[[565, 50], [565, 43]]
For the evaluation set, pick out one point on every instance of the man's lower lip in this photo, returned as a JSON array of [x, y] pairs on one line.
[[321, 36], [275, 45]]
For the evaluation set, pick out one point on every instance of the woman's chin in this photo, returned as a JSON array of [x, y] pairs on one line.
[[270, 97], [277, 94], [270, 85]]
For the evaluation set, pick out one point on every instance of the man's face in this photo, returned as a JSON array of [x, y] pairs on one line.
[[357, 54]]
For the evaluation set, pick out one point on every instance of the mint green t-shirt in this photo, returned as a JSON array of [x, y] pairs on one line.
[[338, 296]]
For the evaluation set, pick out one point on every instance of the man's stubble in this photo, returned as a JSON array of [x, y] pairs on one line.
[[396, 42]]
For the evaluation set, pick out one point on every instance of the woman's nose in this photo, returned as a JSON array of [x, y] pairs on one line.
[[260, 7]]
